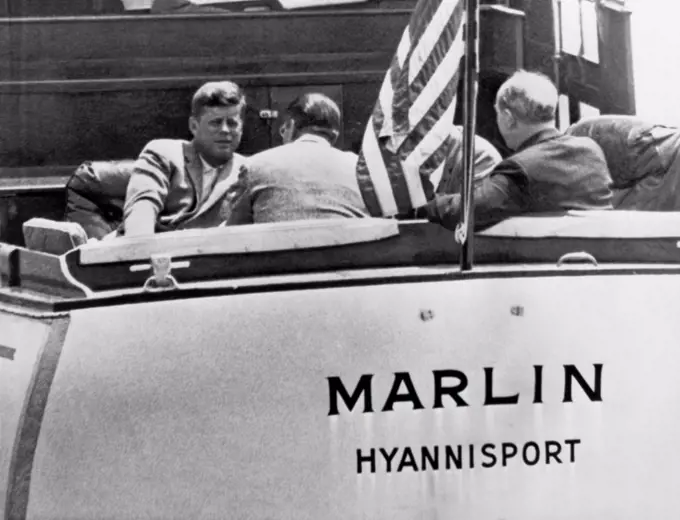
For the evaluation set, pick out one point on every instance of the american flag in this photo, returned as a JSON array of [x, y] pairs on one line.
[[408, 136]]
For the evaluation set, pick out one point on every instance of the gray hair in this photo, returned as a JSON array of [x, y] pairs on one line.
[[530, 96]]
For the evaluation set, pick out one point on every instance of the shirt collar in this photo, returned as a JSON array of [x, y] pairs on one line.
[[209, 169], [311, 138], [539, 137]]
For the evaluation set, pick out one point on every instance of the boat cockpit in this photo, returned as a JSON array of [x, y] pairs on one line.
[[370, 250]]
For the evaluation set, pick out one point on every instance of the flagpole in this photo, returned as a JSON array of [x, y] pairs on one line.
[[470, 75]]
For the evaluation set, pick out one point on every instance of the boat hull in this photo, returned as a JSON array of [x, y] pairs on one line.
[[383, 401]]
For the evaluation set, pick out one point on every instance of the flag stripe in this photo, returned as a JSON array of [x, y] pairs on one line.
[[421, 19], [433, 37], [409, 135], [377, 188], [445, 102], [439, 81]]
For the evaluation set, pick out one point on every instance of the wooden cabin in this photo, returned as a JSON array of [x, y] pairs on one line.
[[88, 80]]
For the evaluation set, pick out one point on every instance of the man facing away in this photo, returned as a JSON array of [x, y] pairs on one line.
[[305, 178], [549, 171], [179, 184]]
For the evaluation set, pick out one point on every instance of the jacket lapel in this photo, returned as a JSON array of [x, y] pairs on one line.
[[227, 176], [194, 169]]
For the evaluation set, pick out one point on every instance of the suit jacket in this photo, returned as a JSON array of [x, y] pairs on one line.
[[634, 148], [305, 179], [169, 173], [550, 172], [486, 158], [643, 158]]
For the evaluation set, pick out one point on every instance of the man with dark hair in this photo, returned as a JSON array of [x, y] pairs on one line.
[[643, 159], [305, 178], [549, 171], [179, 184]]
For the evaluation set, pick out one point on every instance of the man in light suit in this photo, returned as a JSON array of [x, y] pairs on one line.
[[305, 178], [177, 184], [485, 160]]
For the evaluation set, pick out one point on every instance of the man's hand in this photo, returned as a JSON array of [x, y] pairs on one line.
[[142, 219]]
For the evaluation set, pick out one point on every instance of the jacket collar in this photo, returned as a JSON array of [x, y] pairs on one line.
[[312, 138], [539, 137]]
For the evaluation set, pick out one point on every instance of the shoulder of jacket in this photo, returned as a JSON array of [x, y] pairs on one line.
[[165, 146]]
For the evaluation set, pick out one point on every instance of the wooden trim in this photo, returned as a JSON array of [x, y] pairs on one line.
[[36, 179], [255, 238], [145, 18], [129, 84]]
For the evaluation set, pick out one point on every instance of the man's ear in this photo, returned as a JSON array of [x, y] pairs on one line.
[[193, 125], [509, 117], [293, 128]]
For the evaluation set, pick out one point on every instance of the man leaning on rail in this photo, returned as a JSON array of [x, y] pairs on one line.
[[177, 184], [549, 171]]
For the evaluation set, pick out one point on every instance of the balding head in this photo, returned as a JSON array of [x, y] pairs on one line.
[[525, 104]]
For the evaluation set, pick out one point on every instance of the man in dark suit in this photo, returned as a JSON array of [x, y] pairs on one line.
[[305, 178], [549, 171], [643, 159], [177, 184]]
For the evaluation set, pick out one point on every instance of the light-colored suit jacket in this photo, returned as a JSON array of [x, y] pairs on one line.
[[485, 159], [169, 173], [305, 179]]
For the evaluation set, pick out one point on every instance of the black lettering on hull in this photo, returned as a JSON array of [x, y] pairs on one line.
[[463, 457]]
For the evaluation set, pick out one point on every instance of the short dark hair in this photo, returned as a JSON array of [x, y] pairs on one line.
[[316, 114], [530, 96], [217, 94]]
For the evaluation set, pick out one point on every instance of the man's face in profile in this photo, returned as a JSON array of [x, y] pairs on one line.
[[217, 132]]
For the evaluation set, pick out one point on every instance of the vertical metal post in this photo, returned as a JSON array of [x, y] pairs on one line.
[[470, 74], [557, 55]]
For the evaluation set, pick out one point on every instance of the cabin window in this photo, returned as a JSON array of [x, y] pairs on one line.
[[578, 28], [587, 111]]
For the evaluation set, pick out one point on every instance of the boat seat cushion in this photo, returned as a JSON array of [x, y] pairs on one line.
[[621, 224], [95, 195], [50, 236]]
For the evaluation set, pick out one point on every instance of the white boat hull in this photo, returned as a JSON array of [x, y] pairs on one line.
[[222, 406]]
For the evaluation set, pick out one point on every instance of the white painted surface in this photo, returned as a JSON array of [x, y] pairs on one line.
[[254, 238], [218, 407], [26, 337]]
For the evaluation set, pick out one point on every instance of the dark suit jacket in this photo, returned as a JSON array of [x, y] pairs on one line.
[[643, 158], [306, 179], [551, 172], [169, 173]]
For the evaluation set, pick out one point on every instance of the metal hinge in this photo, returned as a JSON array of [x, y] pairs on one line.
[[162, 278]]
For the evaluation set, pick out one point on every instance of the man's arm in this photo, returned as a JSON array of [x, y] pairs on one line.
[[147, 190], [498, 196], [238, 205]]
